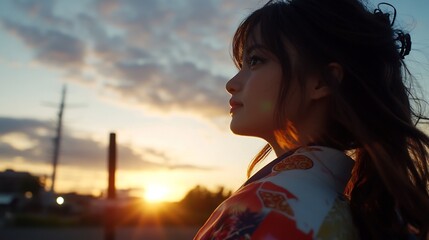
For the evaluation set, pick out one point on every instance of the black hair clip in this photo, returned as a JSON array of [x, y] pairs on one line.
[[404, 39], [385, 16]]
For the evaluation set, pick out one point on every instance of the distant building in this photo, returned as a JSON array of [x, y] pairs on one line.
[[19, 191]]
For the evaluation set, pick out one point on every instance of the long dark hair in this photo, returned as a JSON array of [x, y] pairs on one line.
[[370, 110]]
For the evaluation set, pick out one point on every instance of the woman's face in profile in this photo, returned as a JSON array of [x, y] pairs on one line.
[[254, 91]]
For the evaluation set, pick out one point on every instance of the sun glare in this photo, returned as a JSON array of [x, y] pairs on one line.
[[155, 193]]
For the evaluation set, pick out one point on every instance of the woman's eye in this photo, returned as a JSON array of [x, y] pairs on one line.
[[254, 60]]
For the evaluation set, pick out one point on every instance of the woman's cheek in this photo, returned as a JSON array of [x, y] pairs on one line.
[[266, 106]]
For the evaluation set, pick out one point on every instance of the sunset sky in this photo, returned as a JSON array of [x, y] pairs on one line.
[[151, 71]]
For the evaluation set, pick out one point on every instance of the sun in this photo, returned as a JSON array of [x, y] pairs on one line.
[[155, 193]]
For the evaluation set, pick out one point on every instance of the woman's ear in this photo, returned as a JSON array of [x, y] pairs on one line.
[[335, 70], [319, 87]]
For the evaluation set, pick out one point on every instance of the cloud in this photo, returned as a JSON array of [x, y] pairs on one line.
[[29, 126], [51, 47], [16, 132], [42, 10], [182, 87], [31, 140], [164, 55], [140, 78]]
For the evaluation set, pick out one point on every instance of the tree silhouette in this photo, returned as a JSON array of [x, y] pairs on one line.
[[200, 202]]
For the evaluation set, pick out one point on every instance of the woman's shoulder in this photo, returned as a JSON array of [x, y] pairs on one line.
[[312, 179], [263, 209], [286, 202], [318, 167]]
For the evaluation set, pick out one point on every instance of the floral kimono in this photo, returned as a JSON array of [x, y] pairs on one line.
[[297, 196]]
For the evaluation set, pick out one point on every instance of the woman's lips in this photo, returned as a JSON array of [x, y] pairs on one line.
[[234, 105]]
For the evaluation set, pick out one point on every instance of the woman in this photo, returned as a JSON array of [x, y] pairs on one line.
[[325, 84]]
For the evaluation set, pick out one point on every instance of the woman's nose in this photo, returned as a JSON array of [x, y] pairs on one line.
[[233, 85]]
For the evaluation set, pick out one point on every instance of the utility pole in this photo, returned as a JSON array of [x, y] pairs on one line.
[[57, 139]]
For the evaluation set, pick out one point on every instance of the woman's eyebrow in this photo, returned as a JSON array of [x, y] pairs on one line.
[[254, 47]]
